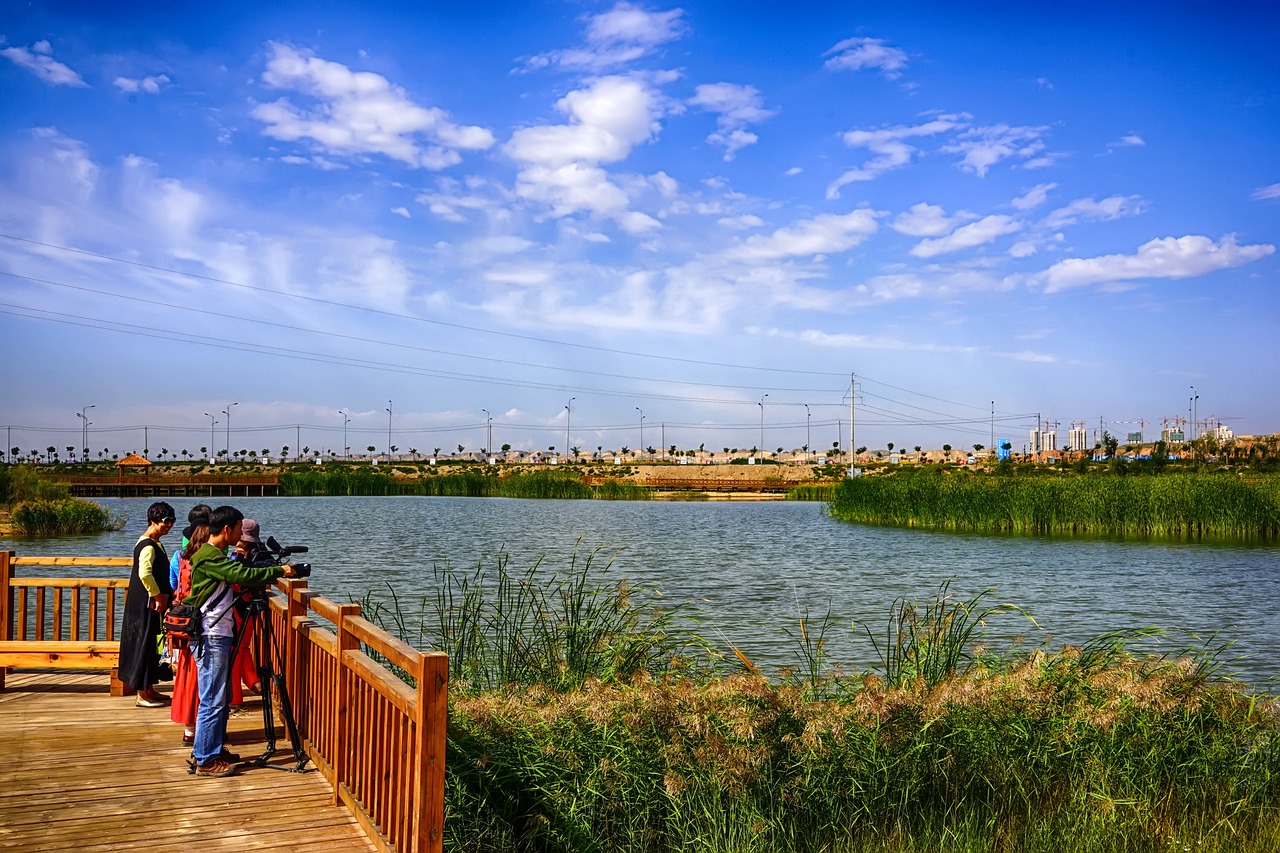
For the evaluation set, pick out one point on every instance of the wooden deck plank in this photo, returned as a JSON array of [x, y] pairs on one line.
[[82, 770]]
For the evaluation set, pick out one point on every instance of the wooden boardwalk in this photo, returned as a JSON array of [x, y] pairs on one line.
[[82, 770]]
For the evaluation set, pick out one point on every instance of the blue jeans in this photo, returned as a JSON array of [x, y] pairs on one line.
[[213, 666]]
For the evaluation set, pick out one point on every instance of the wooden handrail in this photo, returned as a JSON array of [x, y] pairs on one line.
[[377, 737]]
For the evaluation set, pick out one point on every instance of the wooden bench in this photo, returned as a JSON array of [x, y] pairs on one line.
[[61, 623]]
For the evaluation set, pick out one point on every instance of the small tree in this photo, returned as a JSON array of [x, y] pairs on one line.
[[506, 448], [459, 449], [370, 448], [977, 448], [946, 448]]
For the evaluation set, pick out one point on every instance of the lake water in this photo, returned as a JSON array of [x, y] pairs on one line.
[[754, 566]]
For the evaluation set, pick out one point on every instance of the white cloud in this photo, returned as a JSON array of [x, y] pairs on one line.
[[623, 34], [1272, 191], [359, 112], [401, 211], [1089, 210], [820, 235], [856, 54], [1165, 257], [740, 223], [927, 220], [985, 230], [1033, 197], [736, 107], [40, 62], [890, 149], [1129, 140], [793, 171], [150, 85], [984, 147], [560, 163]]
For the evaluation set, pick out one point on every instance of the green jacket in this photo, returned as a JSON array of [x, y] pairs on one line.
[[210, 565]]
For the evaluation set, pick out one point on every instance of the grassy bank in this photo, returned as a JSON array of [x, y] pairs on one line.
[[586, 715], [37, 507], [472, 482], [1172, 505]]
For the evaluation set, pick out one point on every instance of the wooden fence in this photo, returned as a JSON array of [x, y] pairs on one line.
[[371, 710]]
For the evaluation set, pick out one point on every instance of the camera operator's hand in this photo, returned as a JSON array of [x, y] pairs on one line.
[[288, 570]]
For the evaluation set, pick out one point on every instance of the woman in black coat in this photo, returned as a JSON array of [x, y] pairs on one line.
[[144, 605]]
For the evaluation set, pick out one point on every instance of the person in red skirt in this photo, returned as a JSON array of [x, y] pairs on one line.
[[182, 709]]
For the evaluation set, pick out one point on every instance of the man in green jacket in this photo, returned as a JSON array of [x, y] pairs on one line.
[[212, 576]]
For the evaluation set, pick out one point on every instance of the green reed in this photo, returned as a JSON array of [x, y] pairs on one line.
[[474, 482], [64, 517], [1178, 505], [584, 720]]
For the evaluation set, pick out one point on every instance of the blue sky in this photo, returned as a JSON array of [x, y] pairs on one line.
[[704, 217]]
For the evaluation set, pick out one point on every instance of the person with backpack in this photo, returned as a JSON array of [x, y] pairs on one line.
[[212, 576], [185, 701]]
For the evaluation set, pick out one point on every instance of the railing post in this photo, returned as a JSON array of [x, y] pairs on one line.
[[6, 603], [431, 727], [342, 698], [294, 608]]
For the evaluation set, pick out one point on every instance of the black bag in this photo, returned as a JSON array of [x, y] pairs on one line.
[[183, 623]]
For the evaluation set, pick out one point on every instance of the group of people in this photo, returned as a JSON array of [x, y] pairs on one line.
[[215, 563]]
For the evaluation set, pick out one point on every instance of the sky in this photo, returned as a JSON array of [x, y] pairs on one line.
[[724, 225]]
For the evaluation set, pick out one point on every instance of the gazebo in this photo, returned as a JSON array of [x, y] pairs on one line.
[[133, 462]]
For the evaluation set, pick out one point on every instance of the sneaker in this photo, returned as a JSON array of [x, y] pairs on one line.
[[217, 768]]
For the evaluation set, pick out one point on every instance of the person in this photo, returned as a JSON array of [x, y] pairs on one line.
[[144, 604], [185, 679], [212, 576], [198, 514], [248, 550]]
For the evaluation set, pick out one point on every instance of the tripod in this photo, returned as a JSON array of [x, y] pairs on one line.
[[252, 606]]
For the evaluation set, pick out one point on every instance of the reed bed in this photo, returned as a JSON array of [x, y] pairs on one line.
[[64, 517], [583, 718], [342, 480], [1177, 505], [824, 492]]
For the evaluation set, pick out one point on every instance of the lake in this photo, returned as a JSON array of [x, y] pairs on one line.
[[754, 566]]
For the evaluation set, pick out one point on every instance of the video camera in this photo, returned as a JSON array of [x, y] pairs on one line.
[[273, 555]]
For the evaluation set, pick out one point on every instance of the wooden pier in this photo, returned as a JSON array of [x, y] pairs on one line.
[[81, 769]]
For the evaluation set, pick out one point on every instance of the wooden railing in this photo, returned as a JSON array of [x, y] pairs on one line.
[[65, 623], [376, 733]]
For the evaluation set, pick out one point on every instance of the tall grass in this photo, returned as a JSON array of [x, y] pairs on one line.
[[344, 480], [1170, 505], [65, 517], [581, 720]]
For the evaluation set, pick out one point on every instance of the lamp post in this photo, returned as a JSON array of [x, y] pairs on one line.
[[388, 431], [641, 411], [806, 432], [227, 412], [346, 448], [84, 429], [1195, 406], [761, 404], [489, 426], [568, 407], [213, 450]]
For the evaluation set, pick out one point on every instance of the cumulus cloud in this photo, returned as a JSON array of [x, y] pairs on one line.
[[984, 147], [857, 54], [1033, 197], [740, 223], [736, 107], [1272, 191], [402, 211], [985, 230], [359, 112], [1087, 209], [821, 235], [40, 62], [149, 85], [561, 163], [1129, 140], [891, 151], [1165, 257], [927, 220], [623, 34]]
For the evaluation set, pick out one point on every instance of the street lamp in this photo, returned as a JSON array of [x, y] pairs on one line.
[[213, 450], [641, 411], [568, 407], [806, 432], [489, 425], [346, 448], [1195, 406], [388, 431], [761, 404], [227, 412], [84, 429]]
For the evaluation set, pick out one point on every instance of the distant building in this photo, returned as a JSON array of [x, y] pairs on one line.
[[1042, 440], [1078, 438]]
